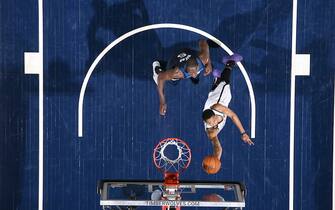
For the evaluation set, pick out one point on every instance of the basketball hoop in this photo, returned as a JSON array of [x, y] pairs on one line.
[[171, 156], [169, 194], [171, 166], [167, 164]]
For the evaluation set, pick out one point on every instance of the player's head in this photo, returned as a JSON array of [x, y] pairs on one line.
[[209, 117], [192, 67]]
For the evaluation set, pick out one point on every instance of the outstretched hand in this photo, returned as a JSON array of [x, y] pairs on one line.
[[245, 137], [162, 109]]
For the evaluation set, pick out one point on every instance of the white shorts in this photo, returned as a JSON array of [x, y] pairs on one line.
[[222, 95]]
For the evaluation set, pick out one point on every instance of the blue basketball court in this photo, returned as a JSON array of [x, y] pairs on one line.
[[78, 102]]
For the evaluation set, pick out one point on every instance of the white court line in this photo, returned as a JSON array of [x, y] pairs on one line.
[[156, 26], [292, 106], [33, 64], [333, 200], [41, 108], [300, 66], [292, 110]]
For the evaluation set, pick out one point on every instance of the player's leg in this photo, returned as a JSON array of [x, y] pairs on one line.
[[229, 62], [226, 73]]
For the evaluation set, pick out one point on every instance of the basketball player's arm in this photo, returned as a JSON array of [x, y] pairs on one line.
[[205, 56], [162, 77], [212, 135], [244, 136]]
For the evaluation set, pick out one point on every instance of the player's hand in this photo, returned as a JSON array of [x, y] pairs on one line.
[[245, 137], [208, 70], [162, 109]]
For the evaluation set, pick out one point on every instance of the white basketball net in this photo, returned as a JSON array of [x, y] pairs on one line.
[[182, 160]]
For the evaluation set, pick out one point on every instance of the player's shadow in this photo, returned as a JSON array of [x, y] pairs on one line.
[[119, 18], [59, 78], [271, 72]]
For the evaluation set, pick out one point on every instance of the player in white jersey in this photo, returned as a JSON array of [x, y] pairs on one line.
[[216, 108]]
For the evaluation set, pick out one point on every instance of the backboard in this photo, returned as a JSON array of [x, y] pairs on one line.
[[139, 194]]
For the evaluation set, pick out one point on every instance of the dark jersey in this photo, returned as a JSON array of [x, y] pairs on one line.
[[181, 57]]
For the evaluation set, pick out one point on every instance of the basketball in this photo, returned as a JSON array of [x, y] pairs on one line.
[[211, 164], [213, 197]]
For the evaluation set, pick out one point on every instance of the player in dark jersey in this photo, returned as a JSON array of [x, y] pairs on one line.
[[187, 63]]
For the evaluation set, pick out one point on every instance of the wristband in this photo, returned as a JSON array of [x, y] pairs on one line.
[[243, 133]]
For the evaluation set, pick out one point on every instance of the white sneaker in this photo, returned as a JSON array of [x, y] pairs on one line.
[[155, 75]]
